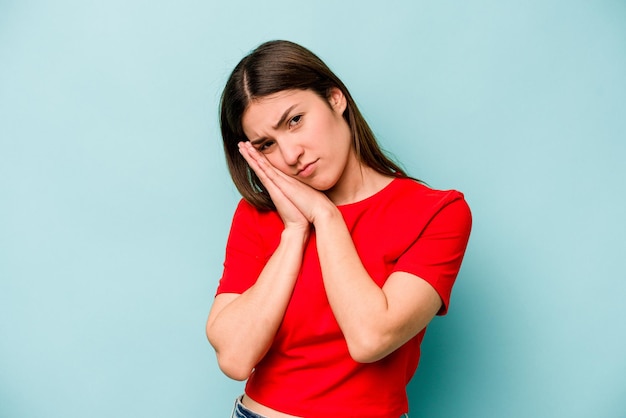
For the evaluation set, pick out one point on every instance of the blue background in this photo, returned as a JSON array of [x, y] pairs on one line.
[[115, 201]]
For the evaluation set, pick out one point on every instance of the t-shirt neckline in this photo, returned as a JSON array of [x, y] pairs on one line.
[[369, 199]]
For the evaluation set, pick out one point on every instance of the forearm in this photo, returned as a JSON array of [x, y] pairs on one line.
[[243, 330], [375, 321], [357, 302]]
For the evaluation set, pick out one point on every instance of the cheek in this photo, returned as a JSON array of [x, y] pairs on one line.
[[341, 135], [277, 161], [327, 130]]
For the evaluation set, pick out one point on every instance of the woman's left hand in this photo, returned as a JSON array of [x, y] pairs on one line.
[[311, 202]]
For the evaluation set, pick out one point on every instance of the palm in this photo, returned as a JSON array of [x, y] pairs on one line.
[[275, 182]]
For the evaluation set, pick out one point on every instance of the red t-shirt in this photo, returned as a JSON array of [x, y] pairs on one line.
[[308, 371]]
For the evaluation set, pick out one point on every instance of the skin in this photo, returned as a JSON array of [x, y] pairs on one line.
[[308, 165]]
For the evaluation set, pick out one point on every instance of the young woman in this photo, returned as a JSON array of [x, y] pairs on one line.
[[336, 260]]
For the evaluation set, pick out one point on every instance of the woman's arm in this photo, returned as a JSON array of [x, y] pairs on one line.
[[242, 327], [375, 321]]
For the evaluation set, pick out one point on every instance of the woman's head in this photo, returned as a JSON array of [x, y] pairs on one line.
[[274, 67]]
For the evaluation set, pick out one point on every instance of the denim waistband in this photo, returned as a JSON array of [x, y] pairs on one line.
[[240, 411]]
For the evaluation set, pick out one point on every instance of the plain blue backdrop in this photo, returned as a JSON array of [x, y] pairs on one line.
[[115, 201]]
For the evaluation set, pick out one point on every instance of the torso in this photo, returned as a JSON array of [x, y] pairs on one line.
[[317, 376], [256, 407]]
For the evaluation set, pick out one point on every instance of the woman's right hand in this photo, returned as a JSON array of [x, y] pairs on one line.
[[292, 217]]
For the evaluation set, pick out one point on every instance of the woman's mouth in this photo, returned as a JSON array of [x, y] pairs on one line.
[[307, 169]]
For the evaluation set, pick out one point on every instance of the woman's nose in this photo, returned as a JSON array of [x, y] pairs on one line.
[[291, 152]]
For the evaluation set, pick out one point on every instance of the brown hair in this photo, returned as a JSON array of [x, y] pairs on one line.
[[277, 66]]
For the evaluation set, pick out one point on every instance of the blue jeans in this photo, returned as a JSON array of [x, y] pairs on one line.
[[240, 411]]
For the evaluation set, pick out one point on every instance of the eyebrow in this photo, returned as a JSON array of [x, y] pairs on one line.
[[282, 120]]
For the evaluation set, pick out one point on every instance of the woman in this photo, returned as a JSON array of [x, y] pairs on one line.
[[336, 260]]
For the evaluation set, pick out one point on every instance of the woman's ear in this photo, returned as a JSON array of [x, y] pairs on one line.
[[337, 100]]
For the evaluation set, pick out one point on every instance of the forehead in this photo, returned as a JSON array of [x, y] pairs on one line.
[[274, 102], [267, 110]]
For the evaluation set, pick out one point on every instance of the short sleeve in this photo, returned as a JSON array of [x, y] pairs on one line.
[[245, 255], [437, 253]]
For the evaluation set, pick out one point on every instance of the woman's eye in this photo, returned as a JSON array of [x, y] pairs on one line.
[[266, 145], [295, 120]]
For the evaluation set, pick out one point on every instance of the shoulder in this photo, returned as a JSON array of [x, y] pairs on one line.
[[409, 208], [248, 217], [417, 189], [246, 210], [253, 232], [418, 197]]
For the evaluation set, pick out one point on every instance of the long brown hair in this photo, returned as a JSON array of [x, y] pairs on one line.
[[276, 66]]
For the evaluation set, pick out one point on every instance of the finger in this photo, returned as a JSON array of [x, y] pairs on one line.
[[245, 151], [299, 193], [265, 165], [287, 210], [263, 169], [253, 154]]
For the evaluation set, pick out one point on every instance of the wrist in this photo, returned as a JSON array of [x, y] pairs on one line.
[[327, 213], [295, 234]]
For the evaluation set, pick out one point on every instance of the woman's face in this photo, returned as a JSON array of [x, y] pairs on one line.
[[302, 135]]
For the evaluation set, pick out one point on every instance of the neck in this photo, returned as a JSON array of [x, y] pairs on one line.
[[357, 183]]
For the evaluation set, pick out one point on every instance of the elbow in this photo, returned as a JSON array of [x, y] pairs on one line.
[[229, 363], [367, 350], [236, 370]]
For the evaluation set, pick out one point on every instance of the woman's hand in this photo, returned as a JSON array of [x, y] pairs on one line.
[[289, 213], [293, 199]]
